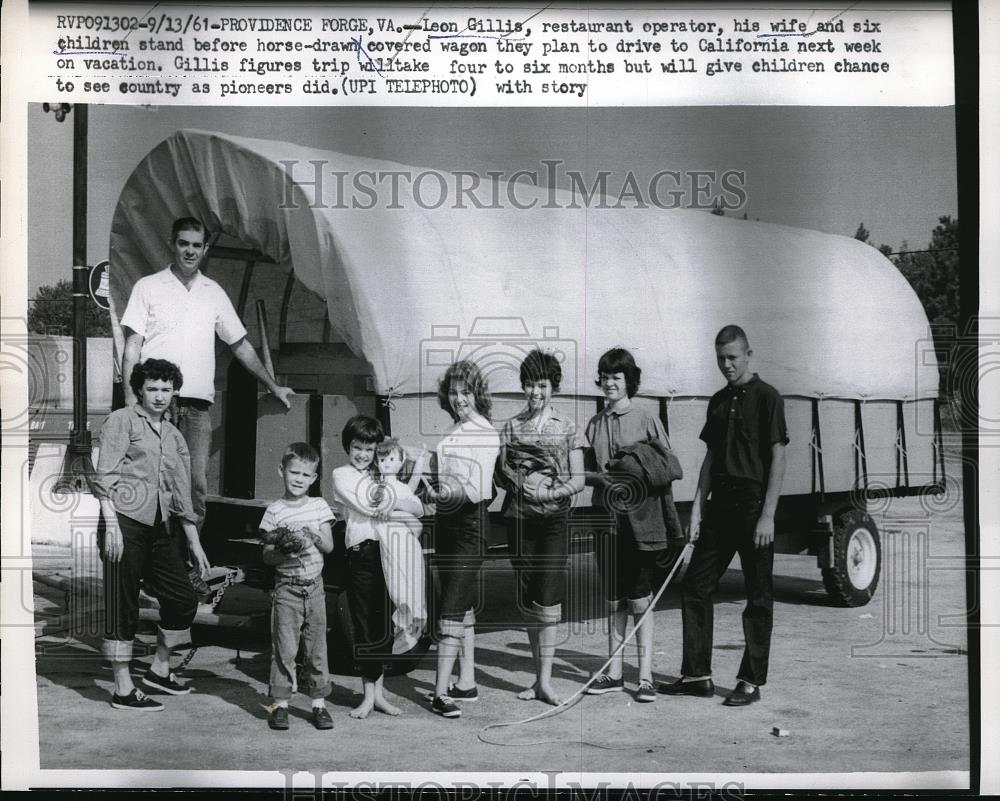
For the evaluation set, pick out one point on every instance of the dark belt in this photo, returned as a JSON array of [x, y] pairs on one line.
[[730, 484], [363, 545], [298, 582], [195, 403]]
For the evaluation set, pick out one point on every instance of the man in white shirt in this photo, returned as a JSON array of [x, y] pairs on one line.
[[176, 314]]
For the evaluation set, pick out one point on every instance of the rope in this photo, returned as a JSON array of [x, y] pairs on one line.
[[576, 697], [216, 600]]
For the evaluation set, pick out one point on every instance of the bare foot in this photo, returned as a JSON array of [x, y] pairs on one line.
[[535, 693], [362, 710], [548, 695], [384, 706], [528, 695]]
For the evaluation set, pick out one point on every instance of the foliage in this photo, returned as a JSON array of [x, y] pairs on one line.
[[933, 272], [51, 312]]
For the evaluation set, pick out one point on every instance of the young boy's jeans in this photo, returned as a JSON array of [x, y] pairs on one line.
[[298, 611]]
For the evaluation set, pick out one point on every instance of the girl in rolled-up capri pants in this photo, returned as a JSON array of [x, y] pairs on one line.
[[143, 476], [542, 468], [466, 459]]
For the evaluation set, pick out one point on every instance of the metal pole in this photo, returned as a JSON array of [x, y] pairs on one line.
[[80, 445]]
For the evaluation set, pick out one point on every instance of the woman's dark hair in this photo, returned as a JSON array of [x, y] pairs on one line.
[[541, 366], [619, 360], [155, 370], [362, 428], [465, 372]]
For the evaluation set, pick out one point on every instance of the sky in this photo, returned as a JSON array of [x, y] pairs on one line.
[[823, 168]]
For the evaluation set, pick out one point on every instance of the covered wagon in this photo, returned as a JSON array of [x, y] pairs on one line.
[[362, 295]]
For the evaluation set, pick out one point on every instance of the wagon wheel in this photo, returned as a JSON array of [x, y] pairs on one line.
[[857, 559]]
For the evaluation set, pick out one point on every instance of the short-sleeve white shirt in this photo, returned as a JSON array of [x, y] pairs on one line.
[[468, 454], [180, 324], [354, 490]]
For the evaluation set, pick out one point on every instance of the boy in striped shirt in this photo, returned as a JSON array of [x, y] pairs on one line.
[[296, 530]]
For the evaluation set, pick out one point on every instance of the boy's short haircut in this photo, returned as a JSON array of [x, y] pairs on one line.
[[302, 451], [187, 224], [469, 374], [619, 360], [362, 428], [541, 366], [732, 333], [389, 445], [156, 370]]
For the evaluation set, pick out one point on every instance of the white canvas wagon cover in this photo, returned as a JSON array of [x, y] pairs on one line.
[[408, 287]]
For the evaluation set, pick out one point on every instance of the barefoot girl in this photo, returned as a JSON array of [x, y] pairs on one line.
[[363, 507], [541, 467]]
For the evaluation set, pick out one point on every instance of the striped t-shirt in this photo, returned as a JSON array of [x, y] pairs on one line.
[[312, 512]]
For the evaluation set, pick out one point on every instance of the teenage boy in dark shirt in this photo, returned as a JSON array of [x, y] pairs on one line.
[[744, 465]]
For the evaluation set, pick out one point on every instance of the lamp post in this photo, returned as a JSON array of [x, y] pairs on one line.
[[79, 462]]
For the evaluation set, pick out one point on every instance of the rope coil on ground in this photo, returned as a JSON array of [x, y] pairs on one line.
[[577, 696]]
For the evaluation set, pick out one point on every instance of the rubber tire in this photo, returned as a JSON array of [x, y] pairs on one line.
[[836, 578]]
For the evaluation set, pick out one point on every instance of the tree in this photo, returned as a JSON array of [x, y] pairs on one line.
[[863, 235], [933, 273], [51, 312]]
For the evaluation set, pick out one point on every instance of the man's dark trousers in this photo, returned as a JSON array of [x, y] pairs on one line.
[[733, 510]]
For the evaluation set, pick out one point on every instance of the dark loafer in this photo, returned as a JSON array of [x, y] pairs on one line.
[[278, 719], [321, 718], [743, 695], [702, 688]]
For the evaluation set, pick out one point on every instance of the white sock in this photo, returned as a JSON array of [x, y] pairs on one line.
[[282, 704], [318, 703], [696, 678]]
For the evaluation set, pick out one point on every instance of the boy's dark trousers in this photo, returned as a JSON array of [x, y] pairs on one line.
[[733, 510]]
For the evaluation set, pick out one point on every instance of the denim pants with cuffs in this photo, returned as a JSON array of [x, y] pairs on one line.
[[298, 615]]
